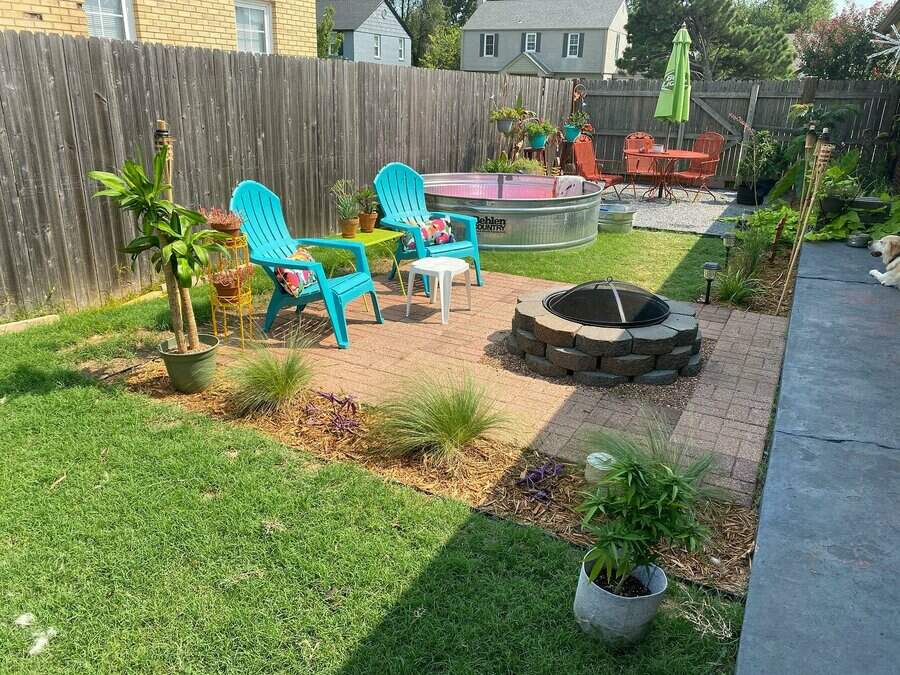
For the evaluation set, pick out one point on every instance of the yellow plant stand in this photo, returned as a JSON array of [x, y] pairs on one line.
[[230, 292]]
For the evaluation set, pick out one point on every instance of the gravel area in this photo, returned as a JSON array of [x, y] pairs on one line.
[[700, 217]]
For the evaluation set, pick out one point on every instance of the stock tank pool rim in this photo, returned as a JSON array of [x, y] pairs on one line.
[[541, 220]]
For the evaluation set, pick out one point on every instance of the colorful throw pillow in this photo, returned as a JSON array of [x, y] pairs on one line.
[[291, 281], [436, 230]]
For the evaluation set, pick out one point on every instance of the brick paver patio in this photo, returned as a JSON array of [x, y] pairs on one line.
[[727, 413]]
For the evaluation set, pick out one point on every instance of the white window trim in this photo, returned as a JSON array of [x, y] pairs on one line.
[[267, 12], [528, 37], [127, 18], [376, 45], [576, 43], [493, 52], [401, 50]]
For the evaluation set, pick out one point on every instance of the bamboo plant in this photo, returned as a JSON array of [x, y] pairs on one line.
[[179, 251]]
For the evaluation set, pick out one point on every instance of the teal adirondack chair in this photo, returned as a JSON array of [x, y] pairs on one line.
[[270, 247], [401, 192]]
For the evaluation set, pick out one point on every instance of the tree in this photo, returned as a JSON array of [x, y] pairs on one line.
[[328, 42], [723, 46], [423, 20], [443, 49], [788, 15], [459, 11], [839, 48]]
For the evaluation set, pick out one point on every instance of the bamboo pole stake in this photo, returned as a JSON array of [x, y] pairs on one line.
[[162, 140], [823, 158]]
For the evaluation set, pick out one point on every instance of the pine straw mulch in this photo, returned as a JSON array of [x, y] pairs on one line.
[[771, 275], [489, 477]]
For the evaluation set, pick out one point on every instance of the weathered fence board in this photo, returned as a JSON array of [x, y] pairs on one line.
[[69, 105], [620, 107]]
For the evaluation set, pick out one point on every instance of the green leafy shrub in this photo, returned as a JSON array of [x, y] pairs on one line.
[[538, 127], [736, 285], [503, 164], [268, 382], [649, 496], [436, 418]]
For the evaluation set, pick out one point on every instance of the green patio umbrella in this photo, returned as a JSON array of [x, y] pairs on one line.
[[674, 103]]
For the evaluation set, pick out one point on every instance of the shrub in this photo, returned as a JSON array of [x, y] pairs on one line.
[[268, 382], [503, 164], [736, 285], [436, 418], [647, 497]]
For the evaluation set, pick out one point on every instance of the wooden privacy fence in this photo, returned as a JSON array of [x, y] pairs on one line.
[[619, 107], [69, 105]]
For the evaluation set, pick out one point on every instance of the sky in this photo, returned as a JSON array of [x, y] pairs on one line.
[[840, 4]]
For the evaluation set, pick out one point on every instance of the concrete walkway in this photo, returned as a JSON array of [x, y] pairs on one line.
[[823, 594]]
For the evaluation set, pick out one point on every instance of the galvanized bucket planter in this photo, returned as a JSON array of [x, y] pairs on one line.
[[614, 619]]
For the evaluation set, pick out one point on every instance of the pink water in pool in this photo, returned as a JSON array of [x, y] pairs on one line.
[[493, 190]]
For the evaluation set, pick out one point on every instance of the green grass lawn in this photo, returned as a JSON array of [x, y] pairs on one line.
[[156, 540], [664, 262]]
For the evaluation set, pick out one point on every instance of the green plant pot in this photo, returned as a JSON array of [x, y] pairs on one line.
[[538, 141], [193, 372], [571, 132]]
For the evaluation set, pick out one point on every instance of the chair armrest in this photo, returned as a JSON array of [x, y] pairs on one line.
[[358, 250], [413, 231], [469, 222], [285, 263]]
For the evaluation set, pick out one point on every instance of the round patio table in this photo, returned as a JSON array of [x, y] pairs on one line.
[[665, 167]]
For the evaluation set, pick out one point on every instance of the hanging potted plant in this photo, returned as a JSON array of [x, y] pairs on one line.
[[646, 497], [505, 117], [368, 208], [537, 132], [179, 252], [343, 192], [573, 125], [223, 221]]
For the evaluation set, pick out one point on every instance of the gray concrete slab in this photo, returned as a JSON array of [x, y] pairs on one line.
[[822, 598]]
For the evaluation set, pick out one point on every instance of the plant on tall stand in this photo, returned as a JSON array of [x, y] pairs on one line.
[[180, 253]]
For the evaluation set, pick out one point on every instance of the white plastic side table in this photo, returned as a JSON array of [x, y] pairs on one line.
[[442, 270]]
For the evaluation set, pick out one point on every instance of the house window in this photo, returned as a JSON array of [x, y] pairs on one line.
[[254, 26], [574, 44], [530, 42], [109, 19], [401, 50], [377, 46], [490, 45]]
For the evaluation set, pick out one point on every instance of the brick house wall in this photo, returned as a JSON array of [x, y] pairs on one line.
[[210, 23]]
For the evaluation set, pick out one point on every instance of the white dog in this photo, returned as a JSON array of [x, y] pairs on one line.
[[888, 249]]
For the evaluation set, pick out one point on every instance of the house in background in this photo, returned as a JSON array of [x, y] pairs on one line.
[[546, 38], [372, 31], [278, 27]]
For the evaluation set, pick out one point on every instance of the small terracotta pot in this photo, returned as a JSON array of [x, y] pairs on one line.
[[234, 234], [367, 221], [349, 228]]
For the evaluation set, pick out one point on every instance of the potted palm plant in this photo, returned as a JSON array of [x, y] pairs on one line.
[[343, 192], [646, 497], [177, 250], [368, 208], [537, 131], [573, 125]]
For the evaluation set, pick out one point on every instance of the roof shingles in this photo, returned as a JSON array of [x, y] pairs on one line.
[[543, 14]]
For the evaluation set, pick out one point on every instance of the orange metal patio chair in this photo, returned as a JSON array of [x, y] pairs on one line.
[[638, 167], [699, 171], [589, 168]]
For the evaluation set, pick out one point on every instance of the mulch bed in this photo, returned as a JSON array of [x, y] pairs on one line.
[[495, 478]]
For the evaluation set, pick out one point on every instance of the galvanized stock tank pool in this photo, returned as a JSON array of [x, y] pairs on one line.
[[520, 212]]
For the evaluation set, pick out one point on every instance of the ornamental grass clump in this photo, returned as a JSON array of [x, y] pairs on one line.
[[267, 382], [437, 419], [648, 497], [737, 286]]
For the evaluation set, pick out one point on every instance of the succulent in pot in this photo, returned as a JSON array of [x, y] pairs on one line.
[[343, 193], [573, 125], [537, 132], [647, 496], [223, 221], [368, 208]]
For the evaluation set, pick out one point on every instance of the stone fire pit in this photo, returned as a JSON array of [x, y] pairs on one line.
[[615, 352]]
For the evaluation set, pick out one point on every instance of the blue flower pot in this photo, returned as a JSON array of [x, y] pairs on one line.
[[538, 141], [571, 132]]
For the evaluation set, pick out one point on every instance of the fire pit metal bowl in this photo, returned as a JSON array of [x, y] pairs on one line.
[[605, 333]]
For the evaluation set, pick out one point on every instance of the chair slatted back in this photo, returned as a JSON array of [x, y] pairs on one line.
[[585, 160], [263, 219], [401, 192], [710, 144], [639, 140]]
